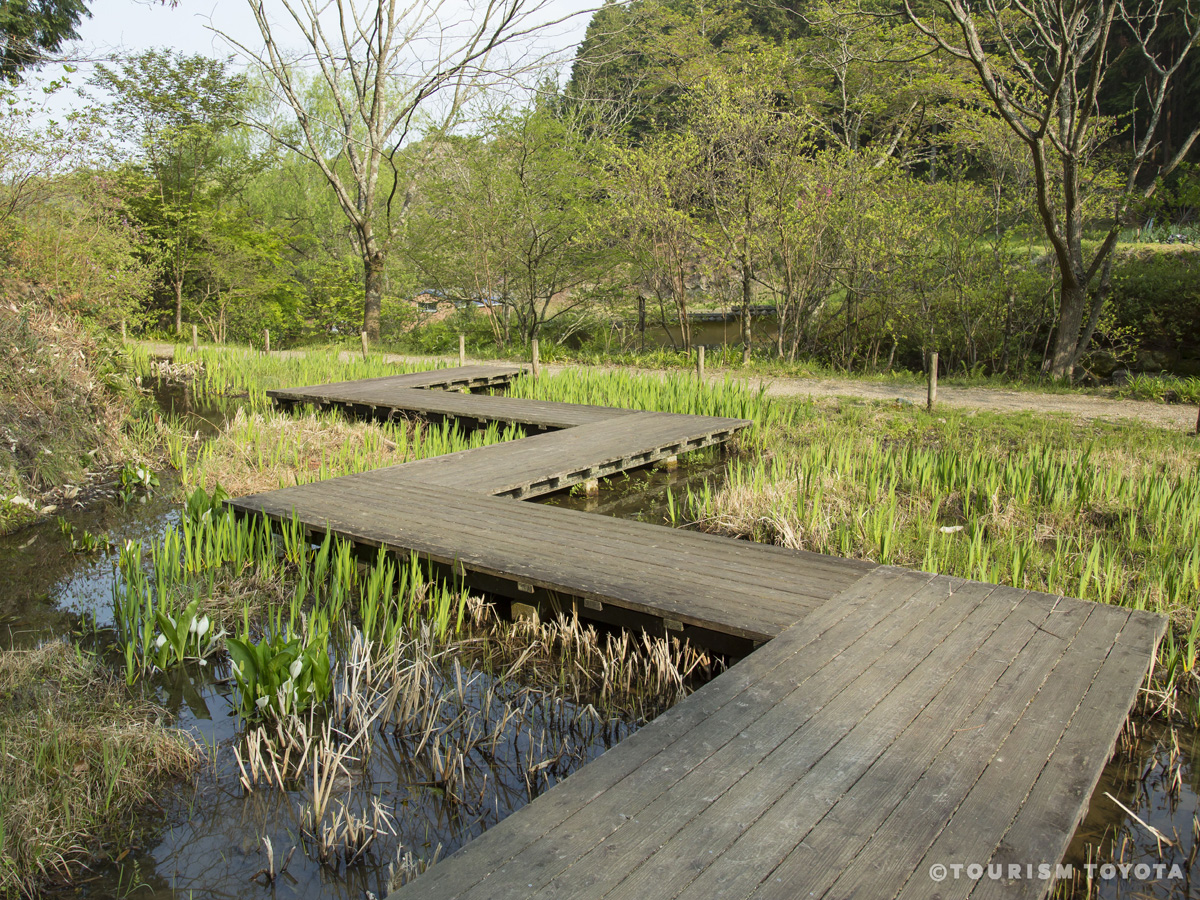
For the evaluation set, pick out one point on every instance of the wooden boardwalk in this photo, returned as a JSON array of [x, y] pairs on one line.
[[365, 390], [913, 721], [685, 579], [891, 722], [559, 459], [398, 395]]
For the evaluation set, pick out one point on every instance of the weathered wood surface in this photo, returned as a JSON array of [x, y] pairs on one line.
[[746, 590], [410, 394], [364, 389], [910, 721], [894, 721], [558, 459], [473, 408]]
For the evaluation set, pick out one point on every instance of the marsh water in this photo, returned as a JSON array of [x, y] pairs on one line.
[[206, 839]]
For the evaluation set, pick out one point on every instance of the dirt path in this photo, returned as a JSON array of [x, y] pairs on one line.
[[1171, 416], [1083, 407]]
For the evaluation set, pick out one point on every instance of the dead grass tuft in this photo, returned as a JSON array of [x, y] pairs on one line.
[[78, 755], [264, 451]]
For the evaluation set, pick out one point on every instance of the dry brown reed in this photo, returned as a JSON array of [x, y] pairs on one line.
[[406, 867], [263, 451]]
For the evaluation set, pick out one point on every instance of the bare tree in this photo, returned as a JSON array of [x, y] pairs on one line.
[[1042, 64], [377, 64]]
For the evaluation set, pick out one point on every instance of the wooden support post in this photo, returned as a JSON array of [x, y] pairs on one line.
[[523, 611], [700, 362], [267, 341], [195, 340], [536, 363], [462, 350], [364, 346], [933, 364], [591, 487], [123, 331], [670, 462]]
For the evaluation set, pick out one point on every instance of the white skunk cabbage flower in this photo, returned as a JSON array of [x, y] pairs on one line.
[[262, 702], [160, 642], [296, 668]]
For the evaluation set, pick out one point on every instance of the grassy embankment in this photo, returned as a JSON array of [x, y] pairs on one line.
[[65, 413]]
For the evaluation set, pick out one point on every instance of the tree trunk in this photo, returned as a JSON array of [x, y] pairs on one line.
[[1072, 303], [1093, 319], [178, 285], [746, 335], [373, 295]]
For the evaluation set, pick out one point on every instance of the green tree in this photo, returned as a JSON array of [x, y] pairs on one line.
[[737, 127], [178, 109], [509, 223], [651, 216], [243, 281], [384, 70], [31, 29], [638, 61], [1043, 66]]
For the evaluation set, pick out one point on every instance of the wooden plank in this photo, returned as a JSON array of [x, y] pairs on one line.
[[883, 821], [743, 564], [423, 402], [661, 850], [807, 772], [629, 776], [767, 565], [1043, 829], [570, 455], [538, 550], [971, 833], [430, 378]]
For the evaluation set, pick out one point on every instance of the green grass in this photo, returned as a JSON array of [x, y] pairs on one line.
[[1162, 389], [1108, 513], [237, 371], [667, 392]]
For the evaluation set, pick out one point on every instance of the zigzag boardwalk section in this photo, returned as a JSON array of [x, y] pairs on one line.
[[548, 462], [685, 580], [410, 394], [891, 726], [373, 389]]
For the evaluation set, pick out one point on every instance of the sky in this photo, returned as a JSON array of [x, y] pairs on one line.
[[129, 26]]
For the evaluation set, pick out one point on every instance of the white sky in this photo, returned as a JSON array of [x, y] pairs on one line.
[[129, 26]]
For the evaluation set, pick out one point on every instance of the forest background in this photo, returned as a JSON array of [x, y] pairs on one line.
[[1009, 184]]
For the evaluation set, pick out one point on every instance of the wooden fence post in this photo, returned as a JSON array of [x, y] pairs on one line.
[[195, 340], [700, 362], [462, 350], [536, 365], [267, 341], [364, 346], [933, 364]]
